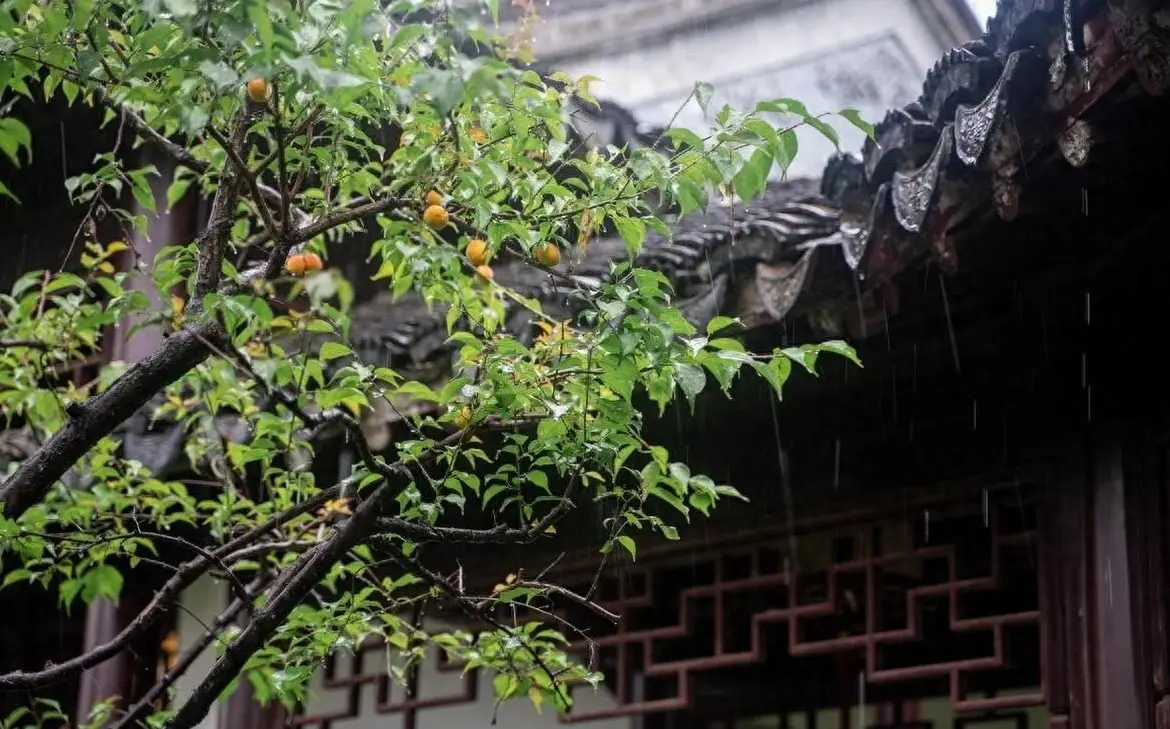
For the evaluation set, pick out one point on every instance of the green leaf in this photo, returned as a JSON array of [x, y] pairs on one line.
[[690, 380], [493, 7], [775, 373], [785, 149], [632, 231], [219, 74], [258, 14], [143, 194], [750, 180], [719, 323], [629, 545], [854, 117], [14, 136], [836, 346], [176, 190], [826, 131], [539, 479], [505, 686], [102, 581], [683, 137], [703, 94], [442, 88], [333, 350]]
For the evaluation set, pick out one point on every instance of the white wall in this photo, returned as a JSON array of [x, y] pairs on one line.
[[201, 602], [434, 684], [830, 54], [207, 597]]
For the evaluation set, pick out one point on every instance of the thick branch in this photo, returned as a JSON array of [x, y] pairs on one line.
[[139, 126], [187, 573], [145, 705], [97, 418], [294, 584], [233, 550], [348, 215], [240, 165], [27, 344], [213, 241]]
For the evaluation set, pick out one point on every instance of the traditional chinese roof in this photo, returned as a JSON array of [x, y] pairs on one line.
[[998, 118], [749, 262], [992, 113]]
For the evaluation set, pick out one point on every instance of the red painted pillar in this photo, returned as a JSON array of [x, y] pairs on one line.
[[123, 675]]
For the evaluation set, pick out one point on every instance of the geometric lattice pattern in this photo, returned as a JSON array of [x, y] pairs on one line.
[[932, 605], [367, 668], [952, 605]]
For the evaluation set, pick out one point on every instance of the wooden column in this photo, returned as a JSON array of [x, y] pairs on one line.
[[1102, 553], [127, 675], [243, 711], [105, 619], [1119, 697]]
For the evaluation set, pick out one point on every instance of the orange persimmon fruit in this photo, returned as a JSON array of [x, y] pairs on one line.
[[477, 252], [436, 216]]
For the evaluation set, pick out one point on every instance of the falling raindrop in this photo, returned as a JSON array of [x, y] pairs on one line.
[[1088, 308], [1109, 578], [886, 322], [926, 525], [785, 485], [837, 464], [1085, 201], [860, 308], [894, 392], [914, 373], [1084, 369], [861, 699], [950, 325], [974, 415], [986, 509]]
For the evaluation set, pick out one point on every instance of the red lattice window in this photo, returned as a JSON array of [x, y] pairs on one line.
[[886, 624]]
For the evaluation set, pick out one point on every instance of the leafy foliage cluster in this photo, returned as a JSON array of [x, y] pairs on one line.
[[365, 109]]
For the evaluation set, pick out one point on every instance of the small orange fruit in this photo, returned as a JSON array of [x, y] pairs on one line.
[[312, 262], [484, 273], [295, 264], [477, 134], [436, 216], [547, 254], [258, 90], [477, 252], [298, 264], [434, 197], [463, 418]]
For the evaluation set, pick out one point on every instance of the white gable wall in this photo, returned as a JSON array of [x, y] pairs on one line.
[[207, 598], [829, 54]]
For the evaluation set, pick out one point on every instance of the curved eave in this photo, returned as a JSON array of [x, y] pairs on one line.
[[989, 111]]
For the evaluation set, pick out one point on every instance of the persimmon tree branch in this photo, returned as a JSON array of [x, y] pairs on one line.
[[212, 243], [178, 354], [290, 589], [143, 706], [232, 551], [470, 607], [242, 173]]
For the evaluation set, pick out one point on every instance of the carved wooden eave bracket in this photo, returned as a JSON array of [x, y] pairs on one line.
[[988, 108], [915, 192]]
